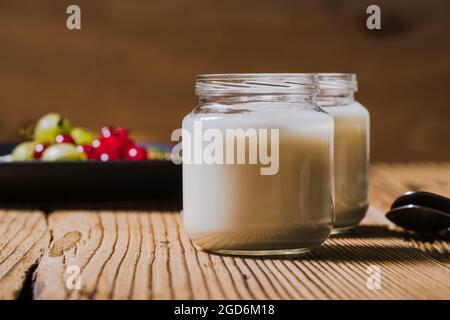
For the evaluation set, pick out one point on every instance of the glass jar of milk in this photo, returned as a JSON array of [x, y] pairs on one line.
[[257, 165], [351, 147]]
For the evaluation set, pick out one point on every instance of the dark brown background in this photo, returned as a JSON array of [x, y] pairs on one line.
[[134, 62]]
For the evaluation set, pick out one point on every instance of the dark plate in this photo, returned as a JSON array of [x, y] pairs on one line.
[[152, 184]]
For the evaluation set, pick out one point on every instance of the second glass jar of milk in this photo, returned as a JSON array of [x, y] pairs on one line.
[[351, 147], [257, 165]]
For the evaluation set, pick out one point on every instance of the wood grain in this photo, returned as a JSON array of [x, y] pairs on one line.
[[147, 255], [24, 237]]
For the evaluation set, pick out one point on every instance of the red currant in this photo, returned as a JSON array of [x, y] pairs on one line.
[[88, 150], [107, 149], [122, 133], [64, 138], [106, 132], [108, 156], [39, 150], [114, 144], [96, 144], [133, 152], [96, 149]]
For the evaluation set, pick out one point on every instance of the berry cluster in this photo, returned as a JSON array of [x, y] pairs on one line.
[[114, 144], [54, 139]]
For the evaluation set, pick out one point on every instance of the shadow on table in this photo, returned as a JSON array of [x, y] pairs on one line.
[[367, 253], [373, 232], [369, 232], [371, 244], [364, 253], [379, 244]]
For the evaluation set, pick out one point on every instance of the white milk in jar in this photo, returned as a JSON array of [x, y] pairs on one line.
[[351, 147], [257, 165]]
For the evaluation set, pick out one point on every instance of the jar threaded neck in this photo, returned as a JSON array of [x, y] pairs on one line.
[[257, 84], [337, 83]]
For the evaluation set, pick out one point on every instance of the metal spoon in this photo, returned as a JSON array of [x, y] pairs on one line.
[[419, 218], [423, 198], [421, 211]]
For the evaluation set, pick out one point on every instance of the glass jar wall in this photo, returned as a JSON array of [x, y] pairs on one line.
[[257, 165], [351, 147]]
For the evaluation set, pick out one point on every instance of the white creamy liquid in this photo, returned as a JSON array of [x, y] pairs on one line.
[[232, 207], [351, 162]]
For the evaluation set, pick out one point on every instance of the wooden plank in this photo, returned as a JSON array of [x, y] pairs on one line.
[[24, 237], [148, 256]]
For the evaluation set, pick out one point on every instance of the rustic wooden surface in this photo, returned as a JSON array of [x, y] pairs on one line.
[[142, 255], [24, 237]]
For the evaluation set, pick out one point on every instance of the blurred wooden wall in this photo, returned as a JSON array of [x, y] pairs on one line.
[[134, 62]]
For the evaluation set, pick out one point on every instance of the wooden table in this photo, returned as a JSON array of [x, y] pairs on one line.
[[146, 255]]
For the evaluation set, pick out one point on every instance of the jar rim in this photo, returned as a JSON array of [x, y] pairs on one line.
[[337, 83], [256, 83]]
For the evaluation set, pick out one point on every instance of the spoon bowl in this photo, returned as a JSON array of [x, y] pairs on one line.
[[419, 218], [423, 198]]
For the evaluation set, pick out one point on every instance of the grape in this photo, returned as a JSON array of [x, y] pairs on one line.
[[63, 152], [82, 136], [24, 151], [50, 126]]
